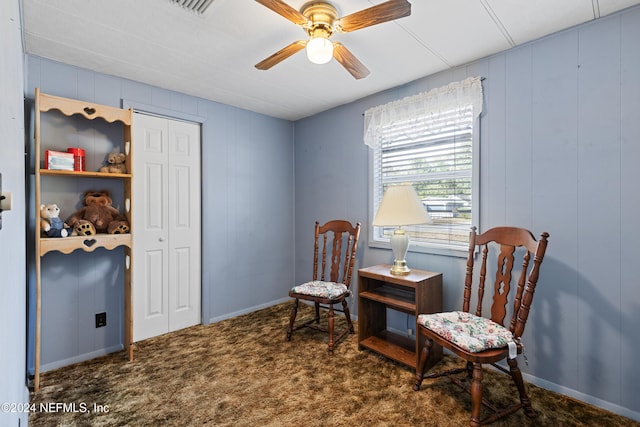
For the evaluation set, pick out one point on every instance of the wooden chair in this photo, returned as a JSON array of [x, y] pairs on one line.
[[330, 282], [477, 339]]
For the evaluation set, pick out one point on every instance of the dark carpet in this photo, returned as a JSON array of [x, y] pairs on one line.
[[242, 372]]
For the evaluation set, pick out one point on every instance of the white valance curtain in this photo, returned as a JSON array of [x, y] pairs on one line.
[[423, 107]]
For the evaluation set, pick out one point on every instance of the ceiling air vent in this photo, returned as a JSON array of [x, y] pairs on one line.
[[196, 6]]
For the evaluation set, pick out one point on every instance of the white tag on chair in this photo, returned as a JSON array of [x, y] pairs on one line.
[[513, 350]]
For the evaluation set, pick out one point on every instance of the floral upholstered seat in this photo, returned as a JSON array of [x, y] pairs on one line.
[[465, 330], [321, 289]]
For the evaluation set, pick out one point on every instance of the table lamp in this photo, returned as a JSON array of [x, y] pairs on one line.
[[400, 206]]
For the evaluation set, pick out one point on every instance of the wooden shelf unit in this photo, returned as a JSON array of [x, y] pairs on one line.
[[66, 245], [378, 290]]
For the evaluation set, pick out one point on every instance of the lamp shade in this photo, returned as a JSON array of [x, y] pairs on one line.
[[319, 50], [400, 206]]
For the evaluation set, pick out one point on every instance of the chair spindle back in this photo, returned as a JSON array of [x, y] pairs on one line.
[[502, 243], [342, 238]]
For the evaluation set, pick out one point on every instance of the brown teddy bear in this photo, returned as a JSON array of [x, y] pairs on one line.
[[98, 216], [115, 163]]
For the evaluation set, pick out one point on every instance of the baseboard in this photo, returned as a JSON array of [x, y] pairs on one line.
[[80, 358], [259, 307], [247, 310], [591, 400], [574, 394]]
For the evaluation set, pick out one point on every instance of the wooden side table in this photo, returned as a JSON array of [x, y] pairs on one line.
[[416, 293]]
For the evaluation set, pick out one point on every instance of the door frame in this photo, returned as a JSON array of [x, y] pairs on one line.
[[153, 110]]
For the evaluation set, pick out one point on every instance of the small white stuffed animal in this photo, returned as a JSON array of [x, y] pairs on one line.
[[51, 224]]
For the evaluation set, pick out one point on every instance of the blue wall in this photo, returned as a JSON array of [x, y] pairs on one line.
[[560, 140], [247, 195], [560, 143], [13, 292]]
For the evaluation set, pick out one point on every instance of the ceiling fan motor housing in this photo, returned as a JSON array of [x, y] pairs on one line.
[[321, 17]]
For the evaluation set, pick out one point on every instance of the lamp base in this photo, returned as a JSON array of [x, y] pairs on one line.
[[399, 268], [399, 245]]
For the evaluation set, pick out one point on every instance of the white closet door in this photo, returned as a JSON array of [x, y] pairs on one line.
[[166, 226], [184, 225]]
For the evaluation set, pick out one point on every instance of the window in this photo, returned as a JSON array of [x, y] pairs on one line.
[[429, 141]]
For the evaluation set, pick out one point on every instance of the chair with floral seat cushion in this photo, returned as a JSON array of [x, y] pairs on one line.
[[332, 271], [487, 340]]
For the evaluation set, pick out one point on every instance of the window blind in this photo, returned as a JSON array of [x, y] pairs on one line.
[[433, 151]]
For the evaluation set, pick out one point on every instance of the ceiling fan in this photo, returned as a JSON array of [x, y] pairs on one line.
[[320, 20]]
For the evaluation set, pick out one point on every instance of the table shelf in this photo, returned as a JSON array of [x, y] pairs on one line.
[[378, 290], [394, 297], [393, 346]]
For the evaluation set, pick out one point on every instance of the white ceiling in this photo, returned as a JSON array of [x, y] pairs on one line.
[[212, 55]]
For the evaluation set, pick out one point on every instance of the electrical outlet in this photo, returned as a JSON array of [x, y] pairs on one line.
[[101, 320], [410, 332]]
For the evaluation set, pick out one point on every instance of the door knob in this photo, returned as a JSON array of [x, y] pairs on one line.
[[160, 239]]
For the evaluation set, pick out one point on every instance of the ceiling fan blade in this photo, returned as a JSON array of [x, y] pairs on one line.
[[285, 10], [281, 55], [383, 12], [349, 61]]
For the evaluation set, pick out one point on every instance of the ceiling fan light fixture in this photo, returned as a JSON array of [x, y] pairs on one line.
[[319, 19], [319, 50]]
